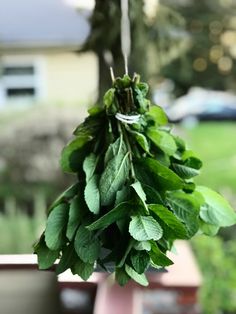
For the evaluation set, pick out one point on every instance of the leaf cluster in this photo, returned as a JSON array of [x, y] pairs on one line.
[[134, 193]]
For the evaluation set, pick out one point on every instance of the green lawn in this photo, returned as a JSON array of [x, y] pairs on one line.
[[215, 144]]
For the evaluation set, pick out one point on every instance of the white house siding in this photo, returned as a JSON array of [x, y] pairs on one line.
[[71, 77], [59, 77]]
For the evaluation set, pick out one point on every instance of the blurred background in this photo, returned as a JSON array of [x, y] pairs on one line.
[[54, 64]]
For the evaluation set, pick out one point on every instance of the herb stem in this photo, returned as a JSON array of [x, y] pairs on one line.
[[127, 142]]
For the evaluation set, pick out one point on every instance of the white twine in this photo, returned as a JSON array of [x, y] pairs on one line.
[[127, 119], [125, 32]]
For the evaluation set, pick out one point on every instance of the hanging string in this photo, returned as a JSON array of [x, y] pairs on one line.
[[125, 32], [125, 48]]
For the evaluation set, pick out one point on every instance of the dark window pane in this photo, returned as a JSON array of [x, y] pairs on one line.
[[18, 70], [20, 92]]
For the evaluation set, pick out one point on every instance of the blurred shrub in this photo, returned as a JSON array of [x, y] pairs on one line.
[[30, 146], [216, 259], [19, 231]]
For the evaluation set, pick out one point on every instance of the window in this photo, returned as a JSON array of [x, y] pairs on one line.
[[18, 70], [19, 92], [20, 80]]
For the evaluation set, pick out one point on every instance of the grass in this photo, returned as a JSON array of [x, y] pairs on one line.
[[216, 146]]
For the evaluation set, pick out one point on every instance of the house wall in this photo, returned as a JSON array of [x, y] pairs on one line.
[[71, 77], [59, 77]]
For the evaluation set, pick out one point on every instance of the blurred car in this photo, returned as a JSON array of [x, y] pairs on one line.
[[202, 104]]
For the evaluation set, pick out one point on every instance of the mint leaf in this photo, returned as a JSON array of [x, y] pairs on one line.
[[89, 166], [122, 195], [92, 195], [184, 171], [158, 257], [121, 276], [55, 228], [118, 147], [158, 115], [73, 153], [84, 270], [170, 219], [141, 140], [216, 210], [113, 178], [191, 160], [153, 197], [140, 192], [67, 259], [141, 279], [128, 249], [67, 195], [163, 140], [75, 216], [143, 228], [140, 261], [46, 257], [142, 246], [109, 97], [120, 211], [208, 229], [152, 172], [86, 245], [186, 209]]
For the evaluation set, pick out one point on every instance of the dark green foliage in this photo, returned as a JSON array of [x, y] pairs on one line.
[[132, 198], [210, 60]]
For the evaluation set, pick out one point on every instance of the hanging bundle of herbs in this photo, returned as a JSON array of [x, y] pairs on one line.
[[134, 192]]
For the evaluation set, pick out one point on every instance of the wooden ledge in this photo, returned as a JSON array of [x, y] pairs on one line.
[[183, 273]]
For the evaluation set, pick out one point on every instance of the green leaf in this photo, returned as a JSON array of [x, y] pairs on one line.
[[84, 270], [128, 249], [153, 197], [143, 87], [140, 192], [67, 259], [158, 115], [170, 220], [113, 178], [121, 276], [66, 196], [92, 195], [216, 210], [191, 160], [120, 211], [92, 124], [163, 140], [184, 171], [158, 257], [86, 245], [141, 140], [140, 261], [74, 153], [122, 195], [180, 143], [46, 257], [109, 97], [208, 229], [55, 229], [89, 166], [95, 110], [143, 228], [153, 173], [141, 279], [186, 209], [142, 246], [75, 214], [118, 147]]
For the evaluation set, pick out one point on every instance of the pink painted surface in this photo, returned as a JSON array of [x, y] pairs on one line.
[[111, 298]]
